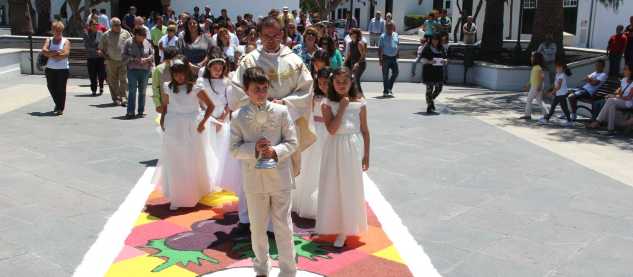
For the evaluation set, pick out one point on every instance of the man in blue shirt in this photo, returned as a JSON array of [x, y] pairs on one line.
[[376, 28], [388, 52]]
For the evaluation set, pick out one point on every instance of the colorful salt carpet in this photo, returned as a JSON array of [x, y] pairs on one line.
[[196, 242]]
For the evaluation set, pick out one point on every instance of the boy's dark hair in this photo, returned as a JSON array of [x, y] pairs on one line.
[[323, 73], [332, 94], [321, 55], [170, 52], [537, 59], [254, 75], [103, 11], [563, 65], [180, 64], [601, 62]]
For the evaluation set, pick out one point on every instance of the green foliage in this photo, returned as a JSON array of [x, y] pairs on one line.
[[304, 248], [176, 256], [412, 21]]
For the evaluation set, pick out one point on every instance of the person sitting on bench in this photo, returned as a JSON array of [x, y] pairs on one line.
[[593, 82], [623, 99]]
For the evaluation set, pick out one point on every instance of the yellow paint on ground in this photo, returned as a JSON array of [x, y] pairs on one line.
[[142, 266], [390, 253], [219, 199], [145, 218]]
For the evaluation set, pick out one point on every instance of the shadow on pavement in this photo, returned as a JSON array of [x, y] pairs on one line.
[[86, 95], [105, 105], [149, 163], [41, 114], [492, 103]]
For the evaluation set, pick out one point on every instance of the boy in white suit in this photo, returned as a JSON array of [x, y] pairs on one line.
[[263, 129]]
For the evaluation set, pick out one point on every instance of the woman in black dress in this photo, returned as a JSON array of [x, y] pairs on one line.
[[355, 58], [434, 58]]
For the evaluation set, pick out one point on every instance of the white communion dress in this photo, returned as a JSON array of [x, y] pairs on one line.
[[341, 208], [304, 200], [227, 175], [187, 160]]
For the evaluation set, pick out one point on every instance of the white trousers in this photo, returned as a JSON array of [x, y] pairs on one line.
[[610, 111], [276, 206], [535, 93], [242, 207]]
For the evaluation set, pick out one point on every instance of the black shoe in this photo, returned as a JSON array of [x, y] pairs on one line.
[[94, 93], [429, 110], [123, 104], [129, 116], [140, 115], [58, 113], [241, 232], [100, 91]]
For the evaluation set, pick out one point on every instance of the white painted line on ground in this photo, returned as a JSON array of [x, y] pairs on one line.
[[410, 250], [110, 241]]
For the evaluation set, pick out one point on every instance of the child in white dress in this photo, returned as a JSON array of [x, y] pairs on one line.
[[304, 201], [341, 208], [186, 158], [214, 82]]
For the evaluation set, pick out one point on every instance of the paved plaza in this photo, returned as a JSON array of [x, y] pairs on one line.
[[482, 193]]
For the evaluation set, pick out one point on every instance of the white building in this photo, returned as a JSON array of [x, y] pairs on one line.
[[364, 10], [590, 22]]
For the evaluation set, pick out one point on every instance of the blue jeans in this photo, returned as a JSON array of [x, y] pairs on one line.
[[387, 64], [137, 80]]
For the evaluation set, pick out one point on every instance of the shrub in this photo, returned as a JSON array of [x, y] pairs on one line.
[[413, 21]]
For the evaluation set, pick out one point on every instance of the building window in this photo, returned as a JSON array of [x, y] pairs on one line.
[[570, 3], [447, 5], [570, 16], [529, 4]]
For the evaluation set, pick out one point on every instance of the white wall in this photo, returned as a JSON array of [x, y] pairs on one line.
[[605, 19], [234, 7], [401, 8]]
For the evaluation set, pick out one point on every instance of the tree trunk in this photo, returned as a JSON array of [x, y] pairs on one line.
[[492, 38], [548, 19], [43, 16]]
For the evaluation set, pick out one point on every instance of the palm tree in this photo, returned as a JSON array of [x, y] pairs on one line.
[[548, 20], [43, 8]]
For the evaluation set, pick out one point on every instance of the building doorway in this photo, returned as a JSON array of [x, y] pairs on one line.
[[388, 7]]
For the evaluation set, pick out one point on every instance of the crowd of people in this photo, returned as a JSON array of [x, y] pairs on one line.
[[231, 96]]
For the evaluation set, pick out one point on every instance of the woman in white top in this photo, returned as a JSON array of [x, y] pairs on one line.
[[224, 42], [57, 49], [560, 87], [623, 99]]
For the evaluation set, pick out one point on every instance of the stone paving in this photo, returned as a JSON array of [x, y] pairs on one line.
[[484, 195]]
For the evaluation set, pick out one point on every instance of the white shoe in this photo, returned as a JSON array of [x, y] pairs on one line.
[[543, 120], [562, 116], [340, 241]]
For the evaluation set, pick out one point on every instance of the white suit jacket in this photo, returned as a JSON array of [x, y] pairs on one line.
[[280, 130]]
